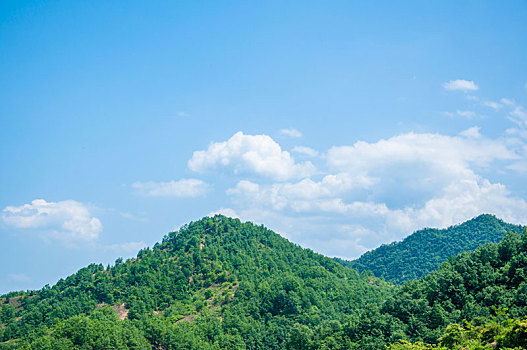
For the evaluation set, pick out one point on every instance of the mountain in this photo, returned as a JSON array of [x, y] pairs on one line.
[[219, 283], [471, 288], [474, 299], [215, 284], [423, 251]]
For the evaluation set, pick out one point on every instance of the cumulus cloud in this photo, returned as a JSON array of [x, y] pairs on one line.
[[381, 191], [305, 151], [181, 188], [443, 154], [291, 132], [69, 221], [303, 196], [258, 154], [460, 84]]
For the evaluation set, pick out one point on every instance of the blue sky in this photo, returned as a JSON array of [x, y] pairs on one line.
[[341, 125]]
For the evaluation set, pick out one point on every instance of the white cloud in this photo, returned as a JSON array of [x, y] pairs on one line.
[[466, 114], [460, 84], [492, 104], [507, 101], [519, 116], [472, 132], [442, 153], [305, 195], [305, 151], [291, 132], [181, 188], [228, 212], [382, 191], [133, 217], [67, 221], [461, 200], [258, 154]]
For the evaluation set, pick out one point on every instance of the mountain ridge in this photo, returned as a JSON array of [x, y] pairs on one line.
[[424, 250], [218, 283], [215, 269]]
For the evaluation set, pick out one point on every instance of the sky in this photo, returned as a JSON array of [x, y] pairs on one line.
[[341, 125]]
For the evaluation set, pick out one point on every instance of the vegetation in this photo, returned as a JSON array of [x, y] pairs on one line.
[[498, 333], [216, 283], [425, 250], [221, 284]]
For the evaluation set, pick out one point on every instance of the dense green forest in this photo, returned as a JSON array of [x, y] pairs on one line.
[[219, 283], [425, 250], [500, 332], [216, 283]]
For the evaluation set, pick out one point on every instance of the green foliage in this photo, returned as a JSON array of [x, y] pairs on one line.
[[215, 284], [425, 250], [497, 333], [221, 284]]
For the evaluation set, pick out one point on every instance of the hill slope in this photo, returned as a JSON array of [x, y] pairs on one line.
[[423, 251], [216, 283], [462, 301], [474, 286], [222, 284]]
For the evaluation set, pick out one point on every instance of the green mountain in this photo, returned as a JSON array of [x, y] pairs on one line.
[[221, 284], [425, 250], [215, 284], [474, 286], [476, 300]]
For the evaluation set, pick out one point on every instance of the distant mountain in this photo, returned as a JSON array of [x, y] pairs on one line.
[[467, 303], [423, 251], [217, 283]]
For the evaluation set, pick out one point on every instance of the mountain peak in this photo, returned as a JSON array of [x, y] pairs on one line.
[[425, 250]]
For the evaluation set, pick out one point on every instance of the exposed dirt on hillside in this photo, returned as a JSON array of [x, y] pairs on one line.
[[121, 311]]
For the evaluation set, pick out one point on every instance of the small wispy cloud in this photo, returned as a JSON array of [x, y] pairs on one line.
[[133, 217], [183, 114], [460, 84], [507, 101], [466, 114], [519, 112], [492, 104], [519, 116], [291, 132], [308, 151], [183, 188]]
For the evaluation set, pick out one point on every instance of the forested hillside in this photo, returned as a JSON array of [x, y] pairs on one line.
[[216, 283], [221, 284], [474, 287], [423, 251]]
